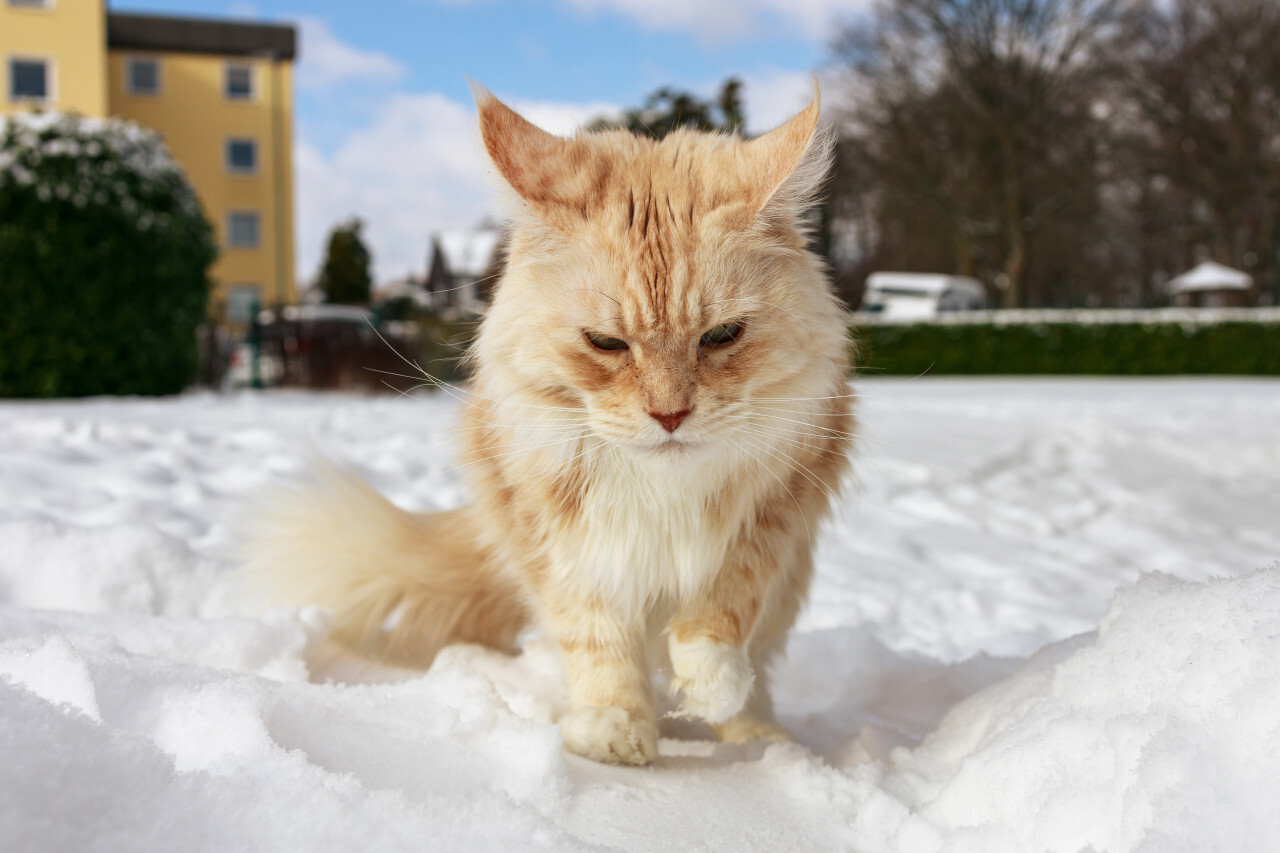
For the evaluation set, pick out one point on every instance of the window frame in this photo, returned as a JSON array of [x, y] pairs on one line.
[[50, 79], [31, 5], [233, 169], [252, 94], [128, 76], [231, 242]]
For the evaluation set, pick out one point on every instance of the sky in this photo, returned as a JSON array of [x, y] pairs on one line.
[[385, 124]]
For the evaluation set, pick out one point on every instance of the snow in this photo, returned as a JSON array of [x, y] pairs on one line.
[[1047, 617], [104, 160], [1210, 276]]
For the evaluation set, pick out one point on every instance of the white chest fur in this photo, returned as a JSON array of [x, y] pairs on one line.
[[651, 528]]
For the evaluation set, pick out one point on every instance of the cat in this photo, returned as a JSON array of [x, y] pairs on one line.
[[657, 421]]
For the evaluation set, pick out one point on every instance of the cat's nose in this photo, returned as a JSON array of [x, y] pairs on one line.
[[669, 420]]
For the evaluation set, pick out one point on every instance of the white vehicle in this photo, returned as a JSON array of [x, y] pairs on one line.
[[910, 295]]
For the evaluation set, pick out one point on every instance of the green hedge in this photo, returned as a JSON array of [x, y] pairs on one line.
[[1103, 349], [104, 255]]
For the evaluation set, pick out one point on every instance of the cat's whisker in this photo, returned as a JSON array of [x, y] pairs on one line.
[[494, 426], [880, 465], [803, 399], [526, 448], [830, 431], [761, 466], [799, 467], [448, 388], [772, 436]]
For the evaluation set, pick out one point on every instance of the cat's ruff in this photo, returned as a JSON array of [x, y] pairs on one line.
[[657, 421]]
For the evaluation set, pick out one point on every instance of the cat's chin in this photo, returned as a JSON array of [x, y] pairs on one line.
[[672, 448]]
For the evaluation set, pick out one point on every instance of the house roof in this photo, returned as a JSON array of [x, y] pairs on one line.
[[200, 35], [1210, 276], [468, 253]]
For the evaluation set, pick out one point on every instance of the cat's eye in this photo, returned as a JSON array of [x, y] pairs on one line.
[[605, 342], [725, 333]]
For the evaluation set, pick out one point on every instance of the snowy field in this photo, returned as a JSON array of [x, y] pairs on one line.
[[1047, 617]]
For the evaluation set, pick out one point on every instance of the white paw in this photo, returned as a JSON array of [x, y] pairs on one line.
[[714, 678], [610, 735]]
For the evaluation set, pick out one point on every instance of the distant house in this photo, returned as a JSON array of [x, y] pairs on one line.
[[1210, 285], [463, 269]]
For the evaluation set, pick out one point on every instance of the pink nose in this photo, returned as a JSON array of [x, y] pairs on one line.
[[670, 420]]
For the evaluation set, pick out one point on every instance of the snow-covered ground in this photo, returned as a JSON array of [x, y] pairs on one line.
[[984, 665]]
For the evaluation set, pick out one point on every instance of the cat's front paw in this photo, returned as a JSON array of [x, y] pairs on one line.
[[715, 678], [609, 735]]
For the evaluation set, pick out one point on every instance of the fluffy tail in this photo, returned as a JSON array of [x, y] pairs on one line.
[[402, 585]]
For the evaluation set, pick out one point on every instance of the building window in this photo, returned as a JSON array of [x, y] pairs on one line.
[[32, 4], [242, 299], [242, 229], [28, 80], [142, 76], [242, 156], [239, 82]]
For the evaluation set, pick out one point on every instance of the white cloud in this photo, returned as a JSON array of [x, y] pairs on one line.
[[563, 118], [727, 19], [325, 60], [772, 97], [418, 167]]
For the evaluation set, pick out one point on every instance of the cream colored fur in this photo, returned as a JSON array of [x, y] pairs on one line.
[[592, 516]]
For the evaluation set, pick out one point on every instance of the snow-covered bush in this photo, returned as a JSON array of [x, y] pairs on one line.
[[104, 254]]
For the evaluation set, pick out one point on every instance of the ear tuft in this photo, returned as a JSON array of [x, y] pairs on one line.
[[790, 163]]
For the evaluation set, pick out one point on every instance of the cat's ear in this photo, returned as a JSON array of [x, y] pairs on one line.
[[552, 174], [788, 165]]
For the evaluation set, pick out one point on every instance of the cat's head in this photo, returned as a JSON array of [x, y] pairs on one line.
[[659, 289]]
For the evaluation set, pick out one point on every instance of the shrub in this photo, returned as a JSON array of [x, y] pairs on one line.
[[1129, 348], [104, 255]]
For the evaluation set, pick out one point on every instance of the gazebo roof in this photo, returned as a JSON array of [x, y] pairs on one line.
[[1210, 276]]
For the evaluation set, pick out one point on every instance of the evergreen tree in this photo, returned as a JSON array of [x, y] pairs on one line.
[[344, 277], [668, 109]]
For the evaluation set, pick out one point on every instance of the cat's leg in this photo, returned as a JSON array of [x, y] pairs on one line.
[[611, 716], [786, 596], [721, 644], [708, 637]]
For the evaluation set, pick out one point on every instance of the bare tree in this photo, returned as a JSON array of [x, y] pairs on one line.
[[982, 120], [1204, 82]]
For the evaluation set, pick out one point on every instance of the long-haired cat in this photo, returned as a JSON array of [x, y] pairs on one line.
[[657, 420]]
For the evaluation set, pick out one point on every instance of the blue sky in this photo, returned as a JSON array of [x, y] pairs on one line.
[[384, 121]]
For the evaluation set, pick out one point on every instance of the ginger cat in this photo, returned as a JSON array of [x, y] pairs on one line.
[[657, 421]]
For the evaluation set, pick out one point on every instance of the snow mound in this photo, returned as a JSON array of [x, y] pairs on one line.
[[1159, 732]]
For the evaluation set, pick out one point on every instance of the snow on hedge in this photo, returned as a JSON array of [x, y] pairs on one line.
[[139, 710], [107, 162]]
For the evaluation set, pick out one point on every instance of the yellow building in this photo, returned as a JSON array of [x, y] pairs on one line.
[[219, 92]]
